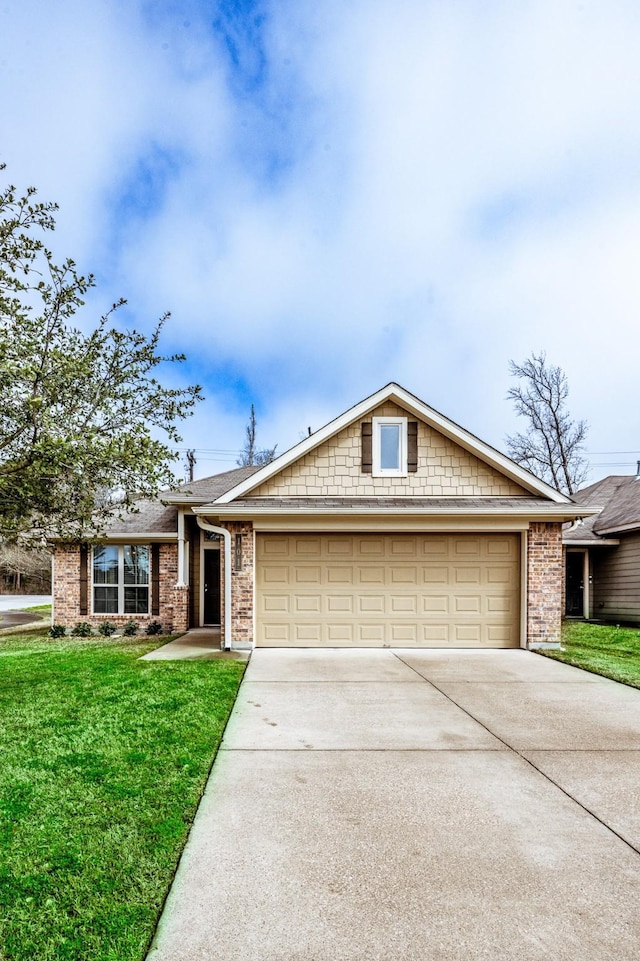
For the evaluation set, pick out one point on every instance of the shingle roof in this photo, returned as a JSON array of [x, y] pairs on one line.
[[151, 517], [209, 488], [160, 515], [618, 498]]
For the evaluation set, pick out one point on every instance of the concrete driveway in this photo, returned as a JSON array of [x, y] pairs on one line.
[[415, 805]]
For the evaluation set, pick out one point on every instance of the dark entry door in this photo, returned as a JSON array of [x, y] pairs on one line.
[[212, 587], [575, 584]]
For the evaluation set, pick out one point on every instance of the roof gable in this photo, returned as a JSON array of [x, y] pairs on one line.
[[465, 464]]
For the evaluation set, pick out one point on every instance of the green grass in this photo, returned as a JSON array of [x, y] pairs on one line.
[[611, 651], [44, 610], [104, 759]]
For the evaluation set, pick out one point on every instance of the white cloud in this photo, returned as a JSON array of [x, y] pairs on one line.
[[366, 197]]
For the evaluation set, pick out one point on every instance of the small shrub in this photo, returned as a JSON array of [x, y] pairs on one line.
[[57, 630], [106, 628], [155, 627], [130, 629], [82, 629]]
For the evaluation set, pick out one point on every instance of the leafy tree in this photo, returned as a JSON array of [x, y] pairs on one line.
[[79, 413], [250, 455], [552, 446]]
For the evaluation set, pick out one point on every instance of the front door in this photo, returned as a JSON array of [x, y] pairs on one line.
[[575, 584], [212, 587]]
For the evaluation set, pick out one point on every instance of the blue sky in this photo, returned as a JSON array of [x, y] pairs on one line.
[[329, 196]]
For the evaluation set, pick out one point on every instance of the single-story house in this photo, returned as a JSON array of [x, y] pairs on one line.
[[389, 527], [603, 552]]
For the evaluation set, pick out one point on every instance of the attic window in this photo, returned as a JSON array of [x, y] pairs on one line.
[[389, 446]]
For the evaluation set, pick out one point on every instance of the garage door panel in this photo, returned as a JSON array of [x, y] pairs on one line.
[[370, 575], [435, 604], [340, 575], [435, 575], [424, 590], [276, 575], [370, 547], [308, 635], [463, 548], [435, 546], [276, 603], [307, 575], [403, 635], [370, 604], [467, 633], [307, 603], [340, 603], [467, 605], [370, 634], [277, 633], [403, 604], [402, 547]]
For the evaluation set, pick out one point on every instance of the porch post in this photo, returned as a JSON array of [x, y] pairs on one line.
[[226, 645]]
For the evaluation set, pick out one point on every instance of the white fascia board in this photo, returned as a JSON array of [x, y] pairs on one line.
[[619, 529], [605, 542], [182, 500], [394, 392]]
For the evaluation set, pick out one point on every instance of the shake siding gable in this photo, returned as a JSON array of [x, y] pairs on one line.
[[339, 466]]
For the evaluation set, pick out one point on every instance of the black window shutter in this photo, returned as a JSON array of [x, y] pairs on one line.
[[155, 579], [367, 452], [84, 593], [412, 446]]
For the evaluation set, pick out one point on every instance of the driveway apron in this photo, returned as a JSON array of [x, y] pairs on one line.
[[413, 805]]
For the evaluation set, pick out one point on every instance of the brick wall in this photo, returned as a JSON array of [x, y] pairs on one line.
[[174, 601], [544, 583], [242, 585], [334, 468]]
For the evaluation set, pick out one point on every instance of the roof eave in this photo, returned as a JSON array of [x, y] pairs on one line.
[[549, 512], [619, 529], [600, 542]]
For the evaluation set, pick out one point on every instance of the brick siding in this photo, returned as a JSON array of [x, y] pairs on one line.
[[174, 601], [242, 585], [544, 583]]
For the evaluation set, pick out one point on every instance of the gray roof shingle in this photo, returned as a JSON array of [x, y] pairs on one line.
[[618, 498], [160, 515]]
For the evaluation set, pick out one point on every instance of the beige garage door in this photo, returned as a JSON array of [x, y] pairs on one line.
[[391, 590]]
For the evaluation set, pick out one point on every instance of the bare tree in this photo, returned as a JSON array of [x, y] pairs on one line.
[[553, 444], [24, 571], [251, 456]]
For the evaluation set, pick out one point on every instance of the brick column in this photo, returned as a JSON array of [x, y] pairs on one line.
[[242, 585], [544, 584], [66, 584]]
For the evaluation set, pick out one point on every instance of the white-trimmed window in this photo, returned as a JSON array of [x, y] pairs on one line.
[[389, 446], [121, 579]]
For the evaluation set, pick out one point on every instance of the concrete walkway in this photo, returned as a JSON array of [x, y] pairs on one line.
[[418, 806], [198, 644]]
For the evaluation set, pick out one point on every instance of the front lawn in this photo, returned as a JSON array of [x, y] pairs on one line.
[[611, 651], [104, 759]]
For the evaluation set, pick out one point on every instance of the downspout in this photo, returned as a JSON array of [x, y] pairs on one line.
[[226, 644], [181, 542]]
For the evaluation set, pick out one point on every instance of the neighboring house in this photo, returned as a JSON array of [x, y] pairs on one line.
[[389, 527], [603, 553]]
